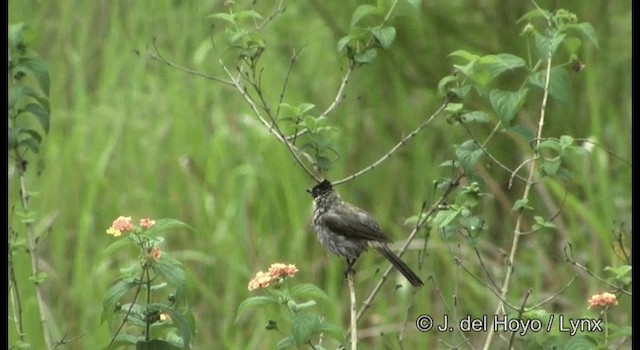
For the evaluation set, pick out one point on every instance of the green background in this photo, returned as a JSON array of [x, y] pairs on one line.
[[130, 136]]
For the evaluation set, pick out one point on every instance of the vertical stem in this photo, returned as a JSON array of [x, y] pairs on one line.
[[32, 248], [517, 232], [352, 311]]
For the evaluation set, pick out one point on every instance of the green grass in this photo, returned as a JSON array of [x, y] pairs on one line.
[[121, 124]]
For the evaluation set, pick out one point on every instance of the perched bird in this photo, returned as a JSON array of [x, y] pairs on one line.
[[348, 231]]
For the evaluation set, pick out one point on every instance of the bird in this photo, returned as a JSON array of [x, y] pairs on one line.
[[348, 231]]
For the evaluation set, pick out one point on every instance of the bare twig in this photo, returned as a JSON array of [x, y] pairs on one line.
[[555, 295], [570, 259], [398, 145], [156, 56]]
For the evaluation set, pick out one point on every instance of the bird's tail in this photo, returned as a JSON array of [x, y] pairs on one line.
[[400, 265]]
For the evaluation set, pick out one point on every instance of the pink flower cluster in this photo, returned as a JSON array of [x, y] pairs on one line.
[[602, 301], [123, 225], [275, 272]]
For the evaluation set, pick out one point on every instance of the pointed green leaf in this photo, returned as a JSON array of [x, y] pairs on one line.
[[304, 326], [285, 343], [475, 116], [507, 103], [468, 154], [309, 290], [227, 17], [41, 114], [364, 11], [559, 87], [467, 56], [586, 29], [255, 301], [548, 45], [503, 62], [40, 71], [368, 56], [385, 35], [114, 294]]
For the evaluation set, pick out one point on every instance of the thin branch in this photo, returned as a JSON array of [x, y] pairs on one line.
[[126, 316], [555, 295], [398, 145], [271, 127], [459, 263], [494, 159], [520, 218], [520, 312], [156, 56], [570, 259]]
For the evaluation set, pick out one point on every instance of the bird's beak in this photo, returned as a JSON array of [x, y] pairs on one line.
[[308, 190]]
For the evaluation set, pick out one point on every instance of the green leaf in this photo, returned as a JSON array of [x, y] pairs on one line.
[[305, 107], [310, 291], [550, 166], [467, 56], [156, 344], [332, 330], [184, 327], [559, 87], [468, 154], [507, 103], [535, 14], [547, 45], [523, 131], [40, 71], [173, 272], [227, 17], [304, 326], [454, 108], [502, 63], [565, 141], [475, 116], [579, 342], [343, 42], [385, 35], [39, 278], [364, 11], [444, 217], [167, 224], [572, 45], [521, 204], [367, 56], [113, 296], [41, 114], [255, 301], [586, 29], [542, 223], [248, 14], [443, 85], [285, 343], [31, 143]]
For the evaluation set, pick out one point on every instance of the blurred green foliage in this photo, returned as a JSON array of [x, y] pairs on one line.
[[129, 136]]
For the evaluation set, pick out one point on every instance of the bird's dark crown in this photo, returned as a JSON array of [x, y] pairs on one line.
[[322, 188]]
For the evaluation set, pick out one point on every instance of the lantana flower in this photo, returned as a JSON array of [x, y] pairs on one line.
[[276, 271], [120, 225], [602, 301]]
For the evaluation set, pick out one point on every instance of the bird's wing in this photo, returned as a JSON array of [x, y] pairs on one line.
[[353, 222]]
